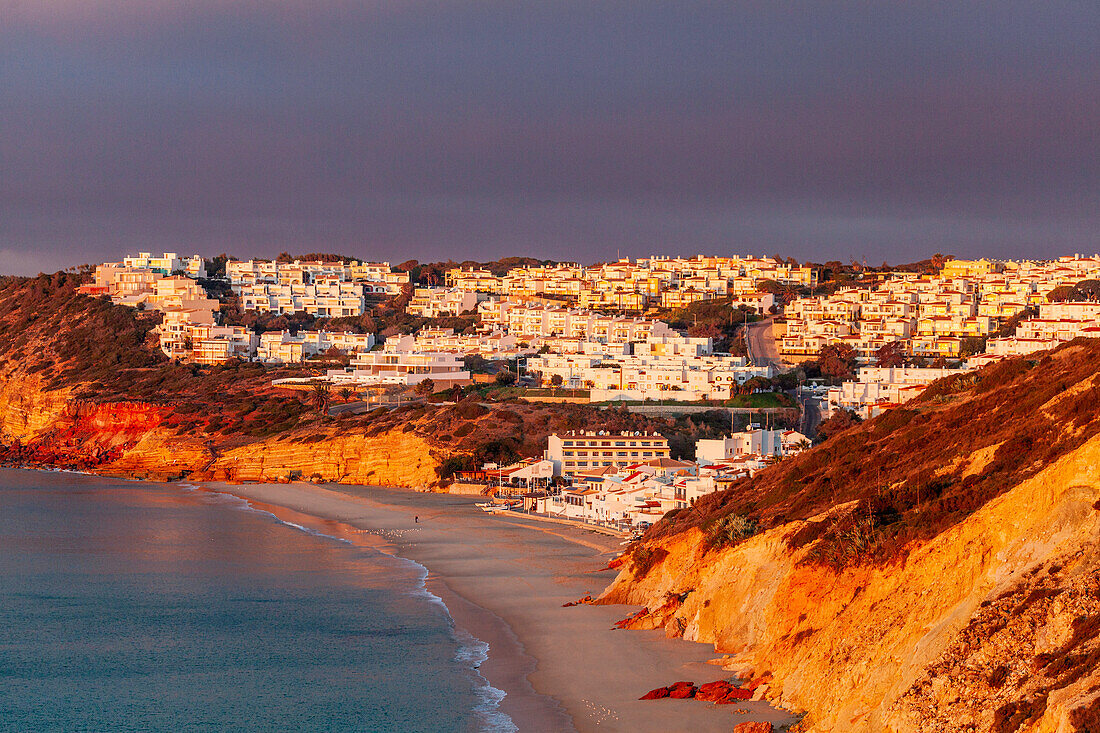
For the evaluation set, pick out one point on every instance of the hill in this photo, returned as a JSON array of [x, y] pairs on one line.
[[936, 568], [83, 385]]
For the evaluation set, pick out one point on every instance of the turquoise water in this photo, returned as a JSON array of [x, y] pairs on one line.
[[128, 606]]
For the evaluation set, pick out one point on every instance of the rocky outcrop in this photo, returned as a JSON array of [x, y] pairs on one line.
[[131, 439], [392, 458], [990, 626], [26, 409]]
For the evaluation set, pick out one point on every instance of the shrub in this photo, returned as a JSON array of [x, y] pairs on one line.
[[453, 464], [729, 530], [469, 409], [646, 558]]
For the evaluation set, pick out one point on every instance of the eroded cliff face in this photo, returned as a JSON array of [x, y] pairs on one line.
[[26, 409], [131, 439], [990, 626], [389, 459]]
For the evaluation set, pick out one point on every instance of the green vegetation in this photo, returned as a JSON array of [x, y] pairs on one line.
[[728, 530]]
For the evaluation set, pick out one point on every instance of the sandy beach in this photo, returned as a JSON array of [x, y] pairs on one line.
[[504, 580]]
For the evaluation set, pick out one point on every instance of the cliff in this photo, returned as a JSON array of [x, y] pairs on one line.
[[84, 386], [135, 439], [982, 617]]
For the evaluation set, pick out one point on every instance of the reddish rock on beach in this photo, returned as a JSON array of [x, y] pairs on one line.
[[631, 619], [735, 695], [757, 727], [655, 694], [713, 691], [682, 692]]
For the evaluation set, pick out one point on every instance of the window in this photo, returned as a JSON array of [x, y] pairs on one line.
[[647, 454], [619, 443]]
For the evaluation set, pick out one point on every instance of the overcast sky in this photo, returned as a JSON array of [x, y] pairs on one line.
[[570, 130]]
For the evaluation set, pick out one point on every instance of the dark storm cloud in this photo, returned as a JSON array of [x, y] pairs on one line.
[[568, 130]]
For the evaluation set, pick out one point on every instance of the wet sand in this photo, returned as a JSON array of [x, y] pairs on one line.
[[504, 580]]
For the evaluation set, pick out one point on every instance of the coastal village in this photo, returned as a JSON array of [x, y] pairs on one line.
[[614, 335]]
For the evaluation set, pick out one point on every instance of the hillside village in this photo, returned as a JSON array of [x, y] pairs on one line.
[[835, 341]]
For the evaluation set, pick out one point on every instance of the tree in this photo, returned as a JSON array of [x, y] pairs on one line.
[[838, 422], [837, 361], [972, 345], [1065, 294], [890, 355], [556, 380], [425, 387], [475, 363], [506, 378], [755, 384], [321, 396], [1089, 289], [346, 394]]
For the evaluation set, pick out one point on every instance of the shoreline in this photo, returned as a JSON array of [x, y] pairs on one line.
[[503, 581]]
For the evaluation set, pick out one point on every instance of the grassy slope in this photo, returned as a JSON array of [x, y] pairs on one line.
[[920, 468]]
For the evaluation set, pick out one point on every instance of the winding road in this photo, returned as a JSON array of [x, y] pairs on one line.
[[761, 345]]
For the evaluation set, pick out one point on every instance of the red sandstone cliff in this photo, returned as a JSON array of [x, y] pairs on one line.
[[971, 603]]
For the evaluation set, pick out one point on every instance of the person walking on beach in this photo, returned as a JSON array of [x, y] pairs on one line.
[[416, 519]]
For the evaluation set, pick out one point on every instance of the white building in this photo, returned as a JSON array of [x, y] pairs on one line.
[[752, 442], [876, 388], [662, 368], [400, 363], [584, 450], [438, 302], [283, 347]]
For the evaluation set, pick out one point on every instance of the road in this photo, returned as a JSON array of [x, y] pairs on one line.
[[761, 345], [764, 351], [811, 416]]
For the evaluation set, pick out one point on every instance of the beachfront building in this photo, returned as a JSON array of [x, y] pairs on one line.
[[639, 494], [578, 451]]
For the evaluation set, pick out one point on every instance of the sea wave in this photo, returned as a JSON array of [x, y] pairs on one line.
[[472, 652]]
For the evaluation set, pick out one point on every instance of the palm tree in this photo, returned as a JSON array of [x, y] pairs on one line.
[[346, 394], [321, 396]]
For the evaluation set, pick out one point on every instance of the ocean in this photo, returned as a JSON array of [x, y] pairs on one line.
[[128, 606]]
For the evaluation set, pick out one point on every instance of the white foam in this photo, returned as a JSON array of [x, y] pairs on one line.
[[472, 652]]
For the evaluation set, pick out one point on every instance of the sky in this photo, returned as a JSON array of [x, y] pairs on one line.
[[587, 130]]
